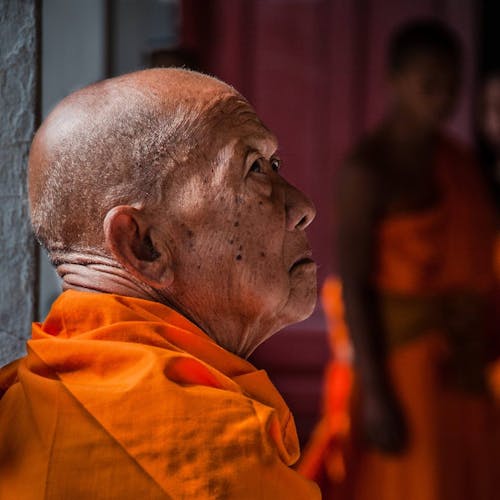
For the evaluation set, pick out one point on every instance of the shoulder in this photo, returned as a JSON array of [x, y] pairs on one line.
[[367, 152], [364, 165], [361, 176]]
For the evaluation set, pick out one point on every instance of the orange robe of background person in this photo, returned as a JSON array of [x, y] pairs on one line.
[[324, 459], [124, 398], [434, 274], [494, 373]]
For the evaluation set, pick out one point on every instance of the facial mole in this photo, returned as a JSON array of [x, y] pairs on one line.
[[238, 257]]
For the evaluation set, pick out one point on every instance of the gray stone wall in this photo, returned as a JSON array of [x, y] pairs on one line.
[[18, 83]]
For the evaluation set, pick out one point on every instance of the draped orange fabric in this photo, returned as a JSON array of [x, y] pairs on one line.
[[434, 274], [124, 398], [448, 247]]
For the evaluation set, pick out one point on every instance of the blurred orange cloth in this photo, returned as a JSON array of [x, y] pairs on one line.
[[324, 458], [495, 369], [121, 397], [434, 274]]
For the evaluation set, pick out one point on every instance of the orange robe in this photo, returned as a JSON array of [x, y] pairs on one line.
[[122, 398], [434, 274], [494, 373]]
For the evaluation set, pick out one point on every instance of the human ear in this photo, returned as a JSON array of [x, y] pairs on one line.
[[127, 233]]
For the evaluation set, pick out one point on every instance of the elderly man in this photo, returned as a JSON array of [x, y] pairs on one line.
[[181, 248]]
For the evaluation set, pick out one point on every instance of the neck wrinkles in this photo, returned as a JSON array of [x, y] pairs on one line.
[[92, 272], [89, 272]]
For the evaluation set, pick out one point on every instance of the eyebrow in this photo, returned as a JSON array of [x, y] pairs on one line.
[[263, 139], [249, 150]]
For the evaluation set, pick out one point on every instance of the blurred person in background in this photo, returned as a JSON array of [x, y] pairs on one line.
[[489, 150], [489, 130], [416, 243]]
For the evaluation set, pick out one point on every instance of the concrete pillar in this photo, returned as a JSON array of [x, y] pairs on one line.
[[18, 108]]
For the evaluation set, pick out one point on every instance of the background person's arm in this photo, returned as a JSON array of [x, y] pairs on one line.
[[359, 208]]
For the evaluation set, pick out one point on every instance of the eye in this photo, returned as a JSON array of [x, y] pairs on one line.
[[275, 164], [256, 166]]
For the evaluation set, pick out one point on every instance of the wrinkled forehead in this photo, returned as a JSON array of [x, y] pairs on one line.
[[234, 121]]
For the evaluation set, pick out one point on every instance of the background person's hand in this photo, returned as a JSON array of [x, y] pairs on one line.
[[384, 423]]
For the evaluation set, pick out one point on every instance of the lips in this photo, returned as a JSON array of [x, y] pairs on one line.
[[305, 258]]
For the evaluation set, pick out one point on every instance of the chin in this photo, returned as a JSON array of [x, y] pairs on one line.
[[301, 300], [305, 309]]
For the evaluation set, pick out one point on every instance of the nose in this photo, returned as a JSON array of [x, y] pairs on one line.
[[300, 210]]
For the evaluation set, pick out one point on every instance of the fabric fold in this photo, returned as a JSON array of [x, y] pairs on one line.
[[195, 419]]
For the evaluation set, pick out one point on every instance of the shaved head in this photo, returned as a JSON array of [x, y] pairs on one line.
[[164, 185], [117, 142]]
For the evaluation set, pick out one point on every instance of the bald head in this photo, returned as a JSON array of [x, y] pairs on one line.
[[117, 142], [165, 185]]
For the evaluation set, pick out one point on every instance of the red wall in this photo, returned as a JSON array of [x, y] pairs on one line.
[[314, 71]]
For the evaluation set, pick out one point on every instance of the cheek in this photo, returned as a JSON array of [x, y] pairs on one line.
[[258, 246], [241, 234], [255, 243], [256, 227]]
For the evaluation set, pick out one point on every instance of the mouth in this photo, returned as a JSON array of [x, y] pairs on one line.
[[302, 261]]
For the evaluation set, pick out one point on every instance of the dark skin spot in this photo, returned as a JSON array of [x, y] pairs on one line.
[[236, 224], [262, 254], [240, 248], [231, 242], [261, 203], [190, 233], [238, 257]]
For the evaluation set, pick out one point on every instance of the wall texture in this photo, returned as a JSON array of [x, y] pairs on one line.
[[18, 84]]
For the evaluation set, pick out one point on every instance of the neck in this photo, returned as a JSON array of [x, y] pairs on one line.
[[235, 332], [89, 272], [408, 131], [239, 337], [93, 272]]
